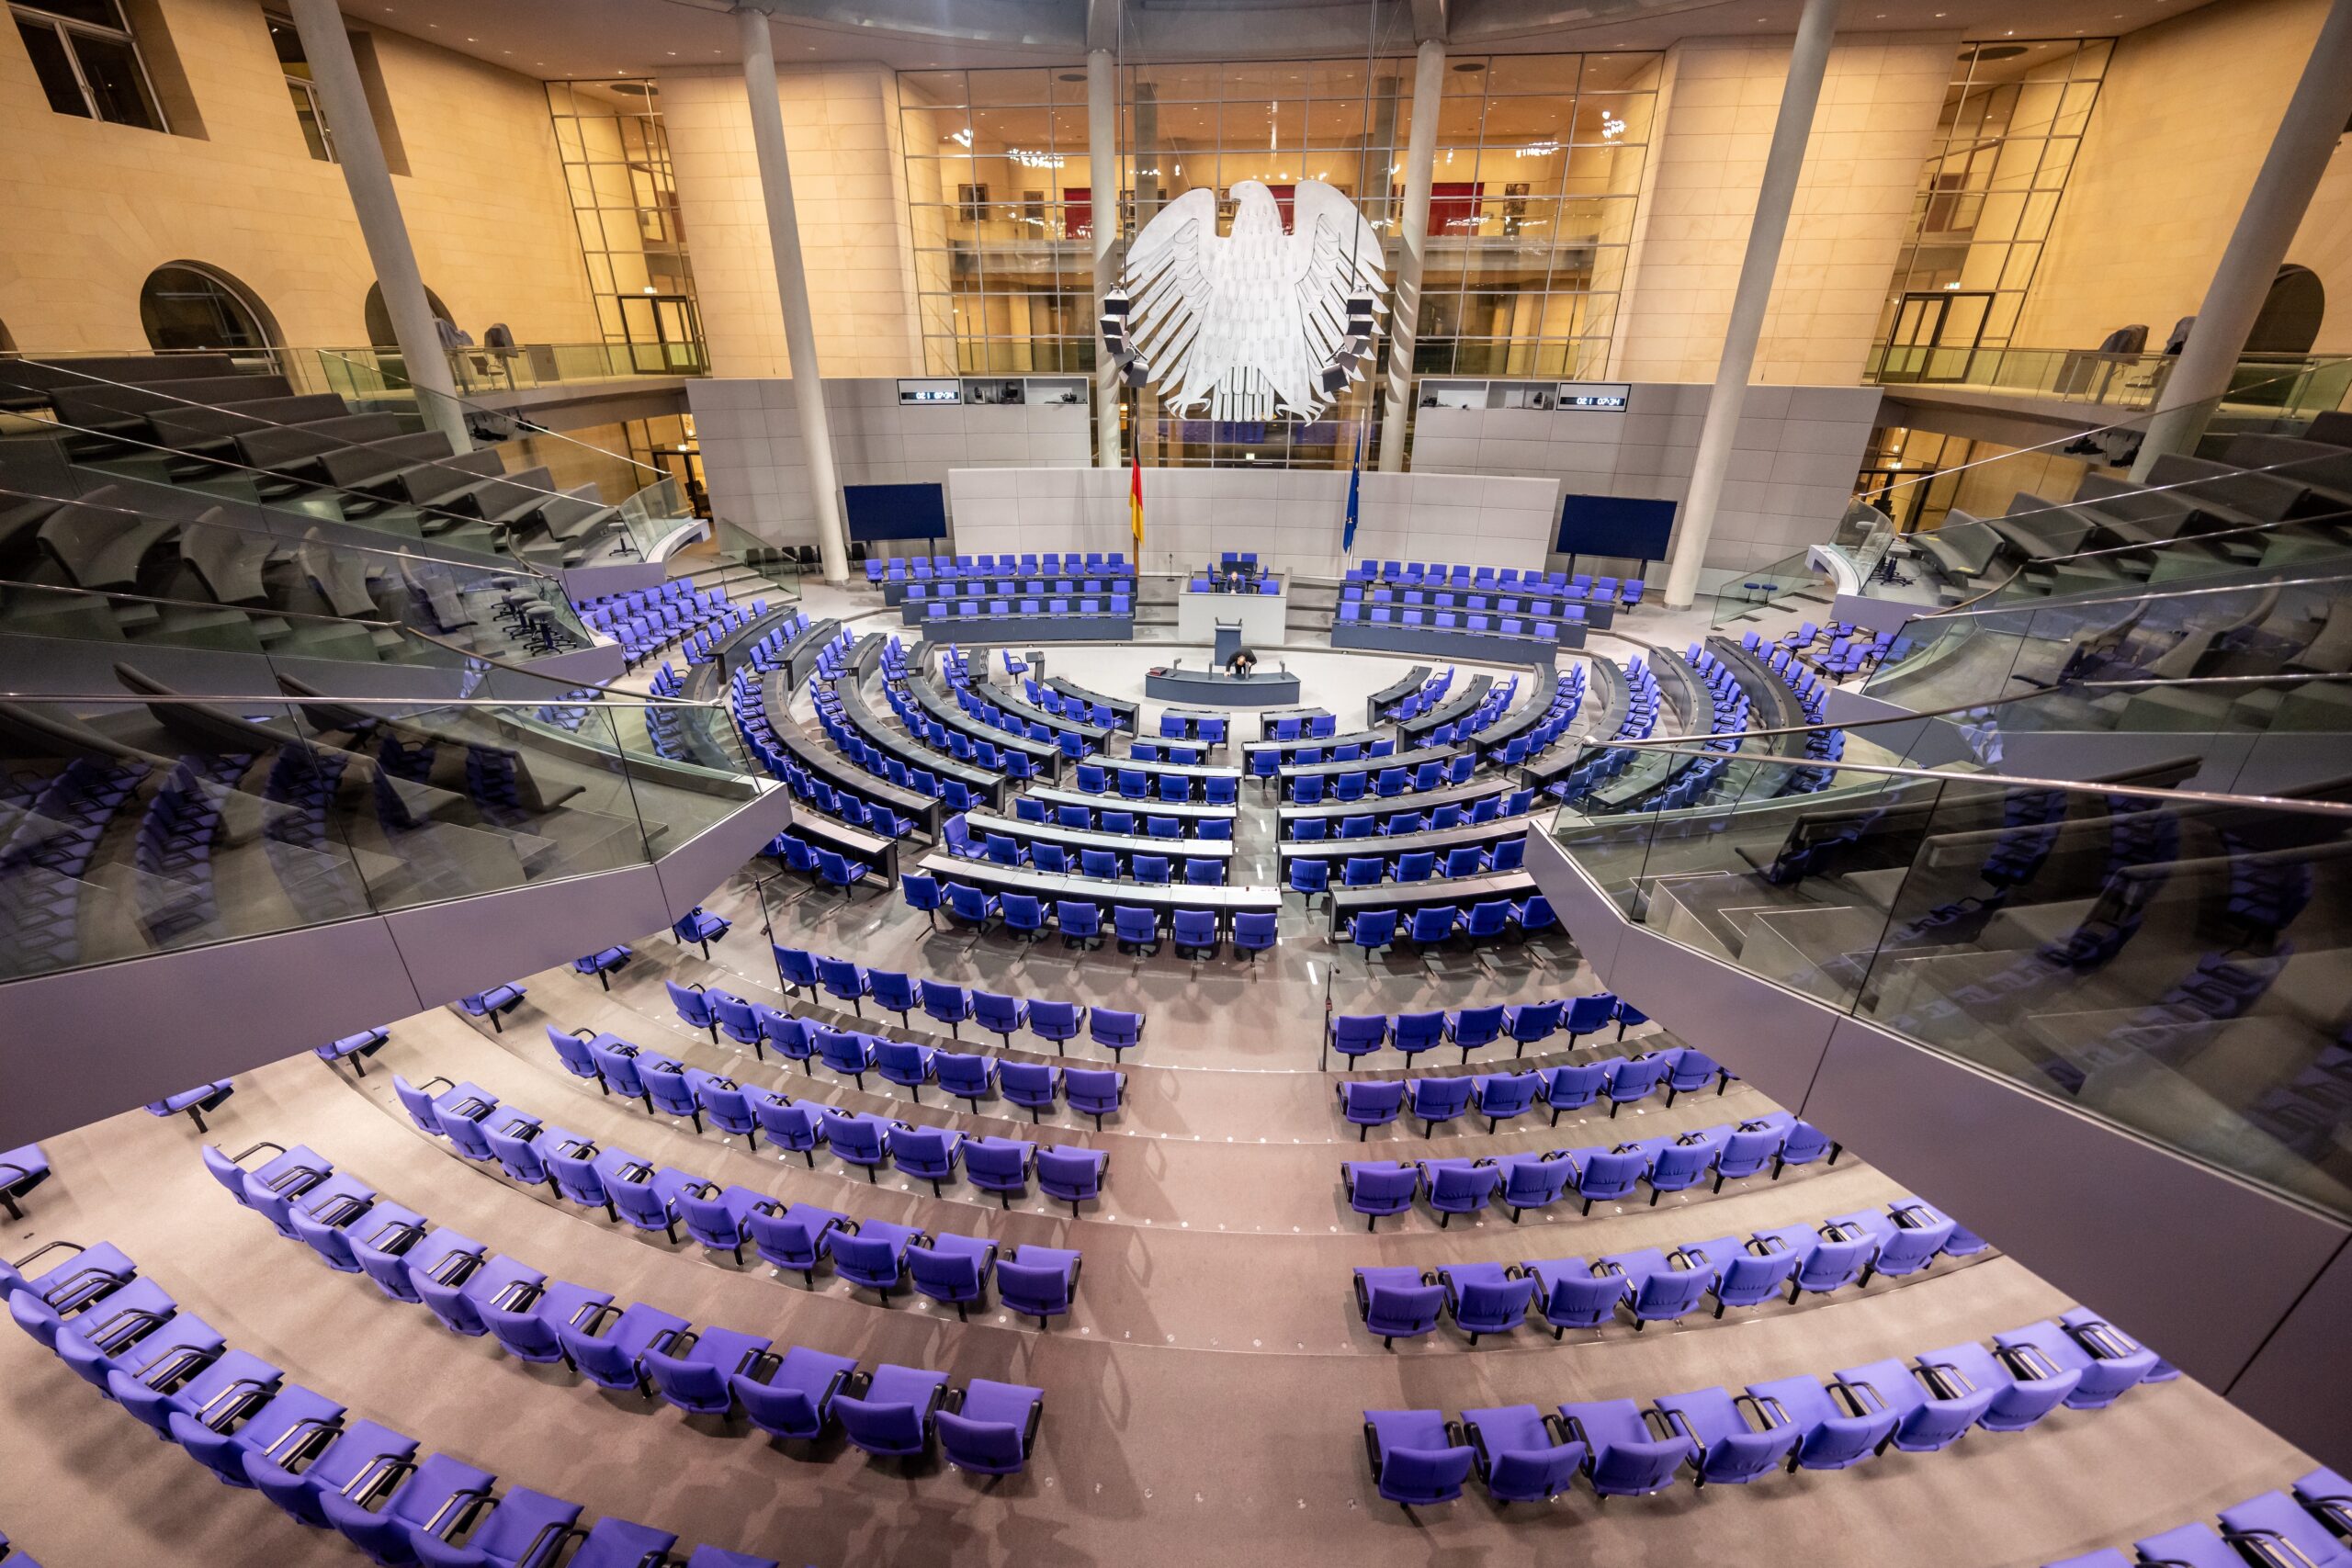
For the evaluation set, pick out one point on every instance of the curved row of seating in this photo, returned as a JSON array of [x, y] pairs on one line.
[[242, 1419], [1357, 1036], [983, 709], [2309, 1529], [1658, 1285], [951, 1005], [1623, 1450], [1080, 921], [796, 1237], [1102, 864], [1385, 783], [1432, 577], [667, 1087], [1428, 923], [970, 1077], [1367, 1103], [1310, 874], [1203, 822], [1176, 789], [1671, 1163], [949, 569], [833, 716]]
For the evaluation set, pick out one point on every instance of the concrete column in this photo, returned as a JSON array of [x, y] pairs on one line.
[[2274, 209], [360, 151], [1774, 196], [1412, 232], [792, 288], [1102, 166]]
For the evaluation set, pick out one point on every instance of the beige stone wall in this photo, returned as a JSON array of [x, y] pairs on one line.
[[840, 128], [1878, 105], [2182, 123], [92, 209]]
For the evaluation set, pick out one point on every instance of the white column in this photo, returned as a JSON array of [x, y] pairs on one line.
[[1774, 197], [792, 288], [1412, 232], [2274, 209], [360, 151], [1102, 175]]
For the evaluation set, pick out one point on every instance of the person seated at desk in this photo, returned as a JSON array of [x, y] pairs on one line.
[[1228, 581], [1242, 662]]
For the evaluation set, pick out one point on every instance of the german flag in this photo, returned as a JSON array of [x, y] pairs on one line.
[[1135, 508]]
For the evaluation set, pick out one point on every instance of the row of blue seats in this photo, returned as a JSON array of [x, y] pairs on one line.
[[1366, 1104], [978, 586], [1104, 865], [239, 1416], [1308, 789], [1135, 784], [2310, 1528], [667, 1087], [1538, 632], [793, 1236], [21, 1170], [803, 970], [1657, 1285], [1621, 1449], [969, 1075], [1542, 601], [45, 857], [1413, 574], [1428, 924], [1086, 818], [923, 569], [645, 620], [833, 718], [1262, 585], [1311, 875], [1671, 1163], [1080, 921], [981, 709], [1101, 714], [1504, 801], [828, 865], [173, 849], [1357, 1036], [1431, 692], [642, 1349], [1118, 604]]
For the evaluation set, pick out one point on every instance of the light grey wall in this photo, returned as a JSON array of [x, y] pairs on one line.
[[758, 474], [1793, 470], [1293, 518]]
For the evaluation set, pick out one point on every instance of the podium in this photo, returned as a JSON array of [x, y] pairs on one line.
[[1229, 642]]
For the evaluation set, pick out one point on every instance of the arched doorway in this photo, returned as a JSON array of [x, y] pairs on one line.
[[2290, 319], [379, 320], [184, 306]]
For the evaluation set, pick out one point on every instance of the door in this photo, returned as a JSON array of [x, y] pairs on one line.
[[665, 336], [1935, 335]]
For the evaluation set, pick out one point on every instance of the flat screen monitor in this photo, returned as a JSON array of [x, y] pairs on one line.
[[1614, 526], [896, 511]]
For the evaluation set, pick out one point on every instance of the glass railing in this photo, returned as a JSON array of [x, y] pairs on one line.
[[2265, 634], [286, 441], [2169, 962], [253, 578], [777, 566], [2263, 387], [136, 824], [366, 375]]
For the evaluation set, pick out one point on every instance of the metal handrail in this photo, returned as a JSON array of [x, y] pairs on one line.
[[402, 553], [377, 369], [1913, 715], [2124, 593], [2144, 417], [631, 699], [160, 390], [2072, 786]]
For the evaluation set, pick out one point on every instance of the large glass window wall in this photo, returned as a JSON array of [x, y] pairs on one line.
[[2013, 120], [1539, 165]]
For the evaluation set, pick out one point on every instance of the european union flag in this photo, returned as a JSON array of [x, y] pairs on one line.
[[1355, 497]]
